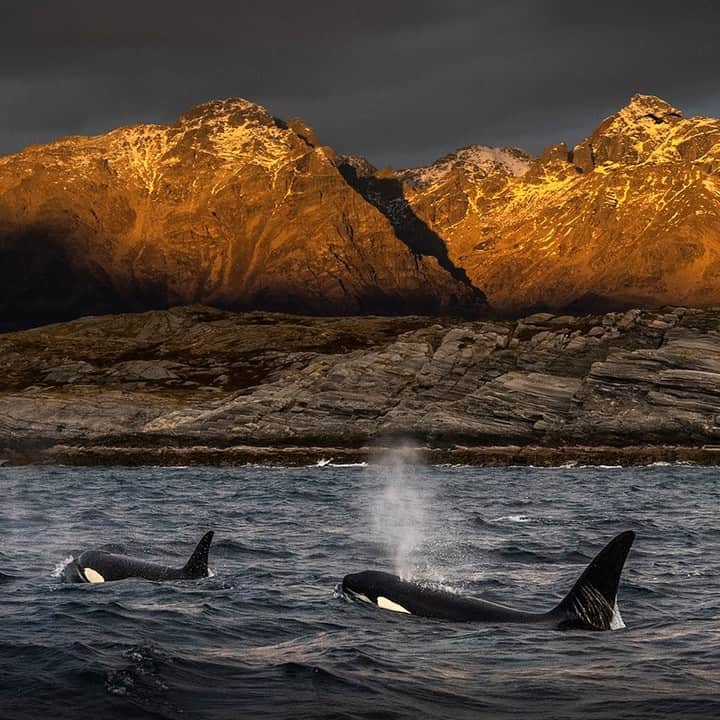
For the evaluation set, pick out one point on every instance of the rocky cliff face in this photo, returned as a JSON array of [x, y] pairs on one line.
[[200, 377], [229, 207], [629, 217]]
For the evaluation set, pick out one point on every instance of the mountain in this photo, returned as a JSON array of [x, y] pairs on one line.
[[229, 206], [476, 161], [236, 209], [629, 217]]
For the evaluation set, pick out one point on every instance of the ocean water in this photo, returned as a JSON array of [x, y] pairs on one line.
[[269, 635]]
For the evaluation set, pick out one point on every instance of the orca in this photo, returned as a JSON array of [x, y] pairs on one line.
[[590, 605], [103, 565]]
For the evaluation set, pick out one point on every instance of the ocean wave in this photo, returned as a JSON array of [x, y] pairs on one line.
[[60, 566], [328, 462], [512, 519], [272, 636]]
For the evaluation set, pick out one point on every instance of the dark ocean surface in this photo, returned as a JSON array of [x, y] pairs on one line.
[[269, 636]]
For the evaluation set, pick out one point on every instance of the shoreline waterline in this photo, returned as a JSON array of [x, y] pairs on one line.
[[296, 456]]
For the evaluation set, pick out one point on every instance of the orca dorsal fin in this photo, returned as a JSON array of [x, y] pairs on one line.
[[197, 565], [591, 602]]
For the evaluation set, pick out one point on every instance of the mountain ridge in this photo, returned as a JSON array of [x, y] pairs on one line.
[[235, 208], [228, 206], [629, 217]]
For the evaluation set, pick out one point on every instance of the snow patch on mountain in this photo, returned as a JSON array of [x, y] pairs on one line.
[[476, 160]]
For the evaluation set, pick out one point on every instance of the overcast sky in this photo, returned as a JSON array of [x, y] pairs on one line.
[[400, 82]]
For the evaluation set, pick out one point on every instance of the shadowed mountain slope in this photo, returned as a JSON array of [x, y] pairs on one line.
[[629, 217], [230, 207], [233, 208]]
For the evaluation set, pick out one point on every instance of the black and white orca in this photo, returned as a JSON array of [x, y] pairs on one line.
[[104, 565], [591, 604]]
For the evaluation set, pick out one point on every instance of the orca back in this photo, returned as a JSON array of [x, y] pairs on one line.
[[391, 592], [589, 605], [99, 566]]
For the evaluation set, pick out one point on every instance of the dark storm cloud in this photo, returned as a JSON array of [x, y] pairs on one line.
[[400, 82]]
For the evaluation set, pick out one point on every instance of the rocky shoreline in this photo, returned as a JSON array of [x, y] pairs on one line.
[[195, 385], [507, 456]]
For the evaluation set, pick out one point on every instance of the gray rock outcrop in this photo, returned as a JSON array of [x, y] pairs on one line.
[[200, 377]]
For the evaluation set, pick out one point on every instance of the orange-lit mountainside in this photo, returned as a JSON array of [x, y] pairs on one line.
[[629, 217], [233, 208], [230, 207]]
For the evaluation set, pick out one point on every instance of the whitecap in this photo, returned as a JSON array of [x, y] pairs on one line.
[[58, 569], [616, 623], [513, 518]]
